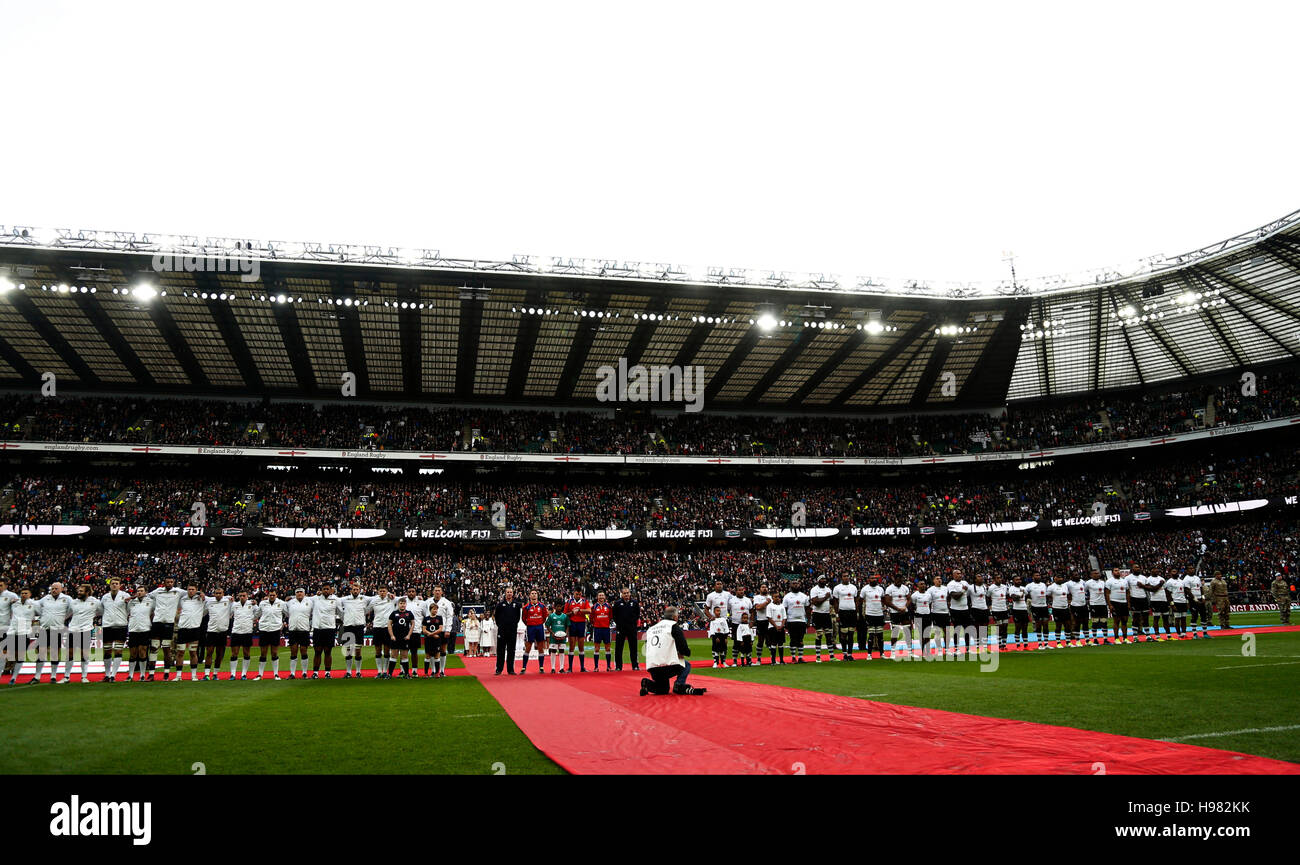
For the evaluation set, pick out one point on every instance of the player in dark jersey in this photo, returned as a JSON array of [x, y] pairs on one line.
[[600, 618], [401, 622], [434, 641]]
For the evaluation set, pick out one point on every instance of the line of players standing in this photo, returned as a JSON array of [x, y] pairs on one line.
[[959, 615], [185, 625]]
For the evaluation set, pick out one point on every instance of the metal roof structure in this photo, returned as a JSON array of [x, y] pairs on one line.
[[117, 311]]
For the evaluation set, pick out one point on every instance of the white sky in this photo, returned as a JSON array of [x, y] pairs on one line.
[[899, 140]]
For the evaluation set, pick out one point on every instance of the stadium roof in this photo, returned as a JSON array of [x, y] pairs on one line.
[[91, 308]]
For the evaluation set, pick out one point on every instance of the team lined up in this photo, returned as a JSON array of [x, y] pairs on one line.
[[958, 615], [190, 627]]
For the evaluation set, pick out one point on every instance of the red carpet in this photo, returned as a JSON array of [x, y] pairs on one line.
[[597, 724]]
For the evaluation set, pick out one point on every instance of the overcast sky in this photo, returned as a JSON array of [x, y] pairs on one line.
[[905, 140]]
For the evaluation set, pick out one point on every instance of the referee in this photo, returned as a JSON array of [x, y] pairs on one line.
[[507, 615]]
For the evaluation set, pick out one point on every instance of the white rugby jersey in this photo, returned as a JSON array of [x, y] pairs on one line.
[[737, 605], [420, 608], [722, 599], [938, 599], [139, 615], [1096, 592], [447, 610], [796, 606], [112, 609], [845, 595], [979, 597], [1137, 585], [873, 598], [22, 617], [1176, 591], [219, 614], [1037, 593], [1017, 594], [921, 602], [760, 613], [820, 598], [1192, 583], [998, 594], [55, 611], [299, 613], [83, 614], [960, 588], [192, 610], [1078, 591], [325, 611], [899, 595], [382, 608], [243, 616], [166, 602], [776, 615], [1059, 594], [719, 627], [354, 610], [270, 614], [743, 632], [1118, 587], [1159, 594], [6, 598]]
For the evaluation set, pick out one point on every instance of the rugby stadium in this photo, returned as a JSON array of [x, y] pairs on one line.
[[488, 511]]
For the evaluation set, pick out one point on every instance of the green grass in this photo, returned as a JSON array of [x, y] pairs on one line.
[[452, 725], [424, 726], [1153, 690]]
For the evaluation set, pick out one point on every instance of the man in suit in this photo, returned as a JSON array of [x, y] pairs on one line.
[[507, 613], [627, 613]]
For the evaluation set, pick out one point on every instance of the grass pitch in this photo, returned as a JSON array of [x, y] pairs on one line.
[[1204, 692]]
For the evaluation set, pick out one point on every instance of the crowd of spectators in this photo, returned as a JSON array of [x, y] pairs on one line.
[[390, 502], [362, 426], [1249, 555]]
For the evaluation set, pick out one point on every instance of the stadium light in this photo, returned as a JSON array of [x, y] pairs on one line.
[[144, 292], [766, 321]]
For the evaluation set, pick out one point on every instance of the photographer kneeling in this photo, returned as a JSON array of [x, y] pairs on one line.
[[665, 654]]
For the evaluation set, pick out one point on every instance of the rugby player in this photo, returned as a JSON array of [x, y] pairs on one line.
[[114, 618], [270, 622], [353, 605], [846, 608], [166, 610], [55, 609], [873, 614], [214, 645], [737, 605], [1059, 596], [1117, 588], [920, 599], [381, 606], [819, 598], [1098, 609], [81, 632], [796, 622], [325, 609], [999, 607], [243, 620], [447, 610], [24, 617], [939, 615], [1039, 608], [139, 633], [776, 619], [189, 624], [959, 608], [1019, 611]]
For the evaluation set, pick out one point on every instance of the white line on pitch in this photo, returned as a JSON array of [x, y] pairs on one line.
[[1254, 666], [863, 696], [1233, 733]]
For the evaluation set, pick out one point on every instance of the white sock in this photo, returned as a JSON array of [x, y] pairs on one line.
[[275, 666]]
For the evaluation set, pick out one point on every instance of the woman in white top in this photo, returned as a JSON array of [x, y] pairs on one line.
[[473, 631]]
